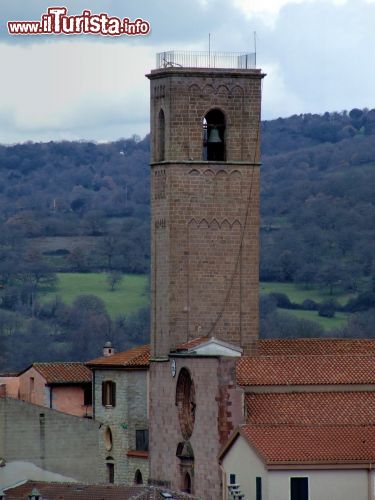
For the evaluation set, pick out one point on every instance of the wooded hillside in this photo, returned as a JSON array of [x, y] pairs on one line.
[[84, 207]]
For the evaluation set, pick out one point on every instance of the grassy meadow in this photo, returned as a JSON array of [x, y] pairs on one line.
[[298, 293], [129, 296]]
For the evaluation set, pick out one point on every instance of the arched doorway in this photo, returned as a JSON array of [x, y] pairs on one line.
[[138, 479], [187, 483]]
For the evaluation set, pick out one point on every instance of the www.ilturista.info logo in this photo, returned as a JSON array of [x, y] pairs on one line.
[[57, 22]]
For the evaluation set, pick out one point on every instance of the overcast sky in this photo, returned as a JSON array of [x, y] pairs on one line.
[[318, 56]]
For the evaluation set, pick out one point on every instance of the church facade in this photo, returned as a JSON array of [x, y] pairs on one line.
[[204, 279]]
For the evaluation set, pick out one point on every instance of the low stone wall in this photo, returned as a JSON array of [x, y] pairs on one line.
[[52, 440]]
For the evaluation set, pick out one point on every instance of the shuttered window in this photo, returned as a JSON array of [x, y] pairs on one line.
[[108, 393], [141, 440]]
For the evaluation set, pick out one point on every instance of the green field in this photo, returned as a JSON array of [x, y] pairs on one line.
[[130, 295], [298, 293], [127, 298], [338, 321]]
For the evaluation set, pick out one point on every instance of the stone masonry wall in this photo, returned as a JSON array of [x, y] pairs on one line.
[[129, 414], [49, 439], [186, 95], [215, 397], [205, 218]]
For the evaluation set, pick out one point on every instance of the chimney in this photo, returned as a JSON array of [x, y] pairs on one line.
[[108, 350]]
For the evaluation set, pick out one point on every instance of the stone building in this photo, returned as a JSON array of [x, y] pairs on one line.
[[204, 279], [120, 402]]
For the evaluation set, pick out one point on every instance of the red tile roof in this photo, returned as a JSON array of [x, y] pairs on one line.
[[76, 491], [192, 343], [318, 346], [311, 408], [306, 370], [63, 373], [138, 357], [298, 444]]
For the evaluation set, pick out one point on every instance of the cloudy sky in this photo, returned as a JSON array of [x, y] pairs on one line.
[[318, 56]]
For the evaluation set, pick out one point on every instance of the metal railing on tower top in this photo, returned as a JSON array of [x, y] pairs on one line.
[[189, 59]]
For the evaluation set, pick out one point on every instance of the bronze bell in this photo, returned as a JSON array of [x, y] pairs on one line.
[[214, 136]]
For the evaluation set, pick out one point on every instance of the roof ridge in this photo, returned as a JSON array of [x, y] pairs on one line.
[[301, 424], [58, 363]]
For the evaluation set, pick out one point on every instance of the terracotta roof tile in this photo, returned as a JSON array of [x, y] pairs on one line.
[[138, 357], [317, 346], [192, 343], [309, 370], [76, 491], [311, 408], [61, 373], [307, 444]]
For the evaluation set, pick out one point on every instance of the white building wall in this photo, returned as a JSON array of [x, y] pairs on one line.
[[348, 484], [243, 461], [323, 484]]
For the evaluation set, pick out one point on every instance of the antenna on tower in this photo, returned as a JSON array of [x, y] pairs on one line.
[[255, 48], [209, 50]]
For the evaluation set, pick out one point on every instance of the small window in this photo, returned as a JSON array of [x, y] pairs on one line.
[[138, 479], [299, 488], [108, 439], [109, 393], [34, 495], [141, 440], [161, 136], [110, 473], [31, 388], [232, 478], [87, 395], [258, 488]]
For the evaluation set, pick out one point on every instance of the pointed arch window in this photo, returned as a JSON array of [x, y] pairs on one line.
[[214, 136]]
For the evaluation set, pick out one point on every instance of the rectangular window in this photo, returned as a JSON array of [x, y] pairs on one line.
[[258, 488], [108, 393], [31, 388], [141, 440], [87, 395], [232, 478], [299, 488], [111, 472]]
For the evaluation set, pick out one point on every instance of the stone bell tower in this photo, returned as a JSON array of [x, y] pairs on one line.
[[205, 199], [205, 118]]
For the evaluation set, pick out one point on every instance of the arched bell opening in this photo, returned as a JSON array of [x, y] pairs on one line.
[[214, 136]]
